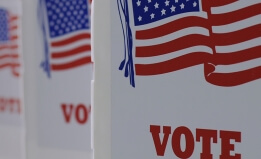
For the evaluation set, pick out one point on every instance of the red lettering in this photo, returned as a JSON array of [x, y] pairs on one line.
[[10, 104], [190, 144], [80, 112], [160, 146], [2, 104], [81, 108], [226, 146], [206, 136], [19, 106], [67, 115]]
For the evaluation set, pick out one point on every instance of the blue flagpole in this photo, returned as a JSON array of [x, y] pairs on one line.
[[45, 64], [128, 42]]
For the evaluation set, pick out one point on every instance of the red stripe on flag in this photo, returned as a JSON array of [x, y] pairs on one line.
[[8, 47], [81, 49], [71, 40], [172, 46], [9, 65], [236, 57], [15, 73], [215, 3], [234, 78], [14, 37], [171, 27], [231, 17], [12, 28], [14, 46], [4, 47], [171, 65], [206, 4], [237, 36], [9, 56], [76, 63], [13, 18]]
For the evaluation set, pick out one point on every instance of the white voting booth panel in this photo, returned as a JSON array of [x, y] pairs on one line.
[[12, 131], [58, 79], [176, 79]]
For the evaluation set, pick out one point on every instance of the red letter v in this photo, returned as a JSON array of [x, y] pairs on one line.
[[67, 115], [155, 131]]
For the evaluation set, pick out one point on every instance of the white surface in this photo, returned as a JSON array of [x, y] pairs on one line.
[[123, 114], [102, 79], [12, 142], [12, 131], [33, 83]]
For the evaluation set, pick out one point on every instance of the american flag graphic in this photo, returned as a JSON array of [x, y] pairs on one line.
[[9, 55], [66, 25], [171, 35]]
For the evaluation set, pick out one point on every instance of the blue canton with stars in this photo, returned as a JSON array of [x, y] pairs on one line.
[[66, 16], [4, 36], [148, 11]]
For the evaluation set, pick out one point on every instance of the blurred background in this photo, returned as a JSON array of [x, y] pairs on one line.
[[45, 75]]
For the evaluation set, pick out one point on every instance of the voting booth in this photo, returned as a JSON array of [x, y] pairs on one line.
[[58, 62], [176, 79], [12, 130]]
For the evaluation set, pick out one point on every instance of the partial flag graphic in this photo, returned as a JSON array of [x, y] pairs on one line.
[[66, 28], [9, 55], [171, 35]]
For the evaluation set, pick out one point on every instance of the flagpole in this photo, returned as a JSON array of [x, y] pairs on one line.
[[45, 64], [128, 42]]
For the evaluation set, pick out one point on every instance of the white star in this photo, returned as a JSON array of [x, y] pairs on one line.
[[152, 15], [140, 18], [195, 4], [176, 1], [73, 27], [182, 6], [146, 9], [49, 4], [69, 13], [61, 15], [49, 13], [156, 5], [54, 17], [149, 1], [173, 8], [167, 3], [138, 3], [58, 10], [51, 23], [75, 12], [163, 12], [79, 26], [56, 27]]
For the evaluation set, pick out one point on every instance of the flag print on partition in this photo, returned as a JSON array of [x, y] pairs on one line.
[[9, 57], [163, 36], [66, 28]]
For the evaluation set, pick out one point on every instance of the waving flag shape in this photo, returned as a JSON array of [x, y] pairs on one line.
[[66, 26], [9, 57], [171, 35]]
